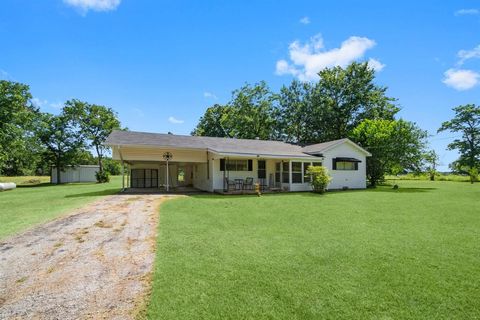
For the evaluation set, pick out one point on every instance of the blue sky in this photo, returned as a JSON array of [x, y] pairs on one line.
[[160, 64]]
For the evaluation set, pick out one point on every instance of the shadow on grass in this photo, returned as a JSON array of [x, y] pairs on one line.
[[401, 190], [38, 185], [105, 192]]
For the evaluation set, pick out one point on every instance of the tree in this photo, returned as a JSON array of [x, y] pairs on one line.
[[18, 146], [249, 115], [294, 118], [431, 161], [214, 122], [94, 122], [395, 146], [62, 142], [344, 97], [466, 122]]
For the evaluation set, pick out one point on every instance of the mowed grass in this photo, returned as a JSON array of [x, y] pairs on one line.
[[32, 204], [412, 253]]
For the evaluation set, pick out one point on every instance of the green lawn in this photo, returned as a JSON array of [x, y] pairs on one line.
[[32, 204], [412, 253]]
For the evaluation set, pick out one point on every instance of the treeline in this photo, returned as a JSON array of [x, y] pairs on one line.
[[32, 141], [344, 103]]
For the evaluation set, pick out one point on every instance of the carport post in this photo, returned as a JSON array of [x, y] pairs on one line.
[[123, 176], [167, 175]]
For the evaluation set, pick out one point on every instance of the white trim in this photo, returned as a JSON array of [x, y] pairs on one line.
[[339, 142]]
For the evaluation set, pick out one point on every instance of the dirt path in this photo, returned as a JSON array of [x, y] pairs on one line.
[[94, 263]]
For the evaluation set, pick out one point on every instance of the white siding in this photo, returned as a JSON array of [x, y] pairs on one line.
[[75, 174], [353, 179]]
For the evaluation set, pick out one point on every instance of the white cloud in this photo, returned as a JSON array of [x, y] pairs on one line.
[[463, 12], [138, 112], [461, 79], [305, 20], [56, 105], [95, 5], [309, 58], [375, 64], [39, 102], [210, 95], [465, 55], [175, 120]]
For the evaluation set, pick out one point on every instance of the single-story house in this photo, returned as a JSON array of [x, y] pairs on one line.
[[213, 164]]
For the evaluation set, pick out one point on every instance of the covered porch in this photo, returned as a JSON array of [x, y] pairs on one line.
[[242, 175]]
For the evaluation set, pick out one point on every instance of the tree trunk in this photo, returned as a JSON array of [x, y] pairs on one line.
[[99, 156], [58, 172]]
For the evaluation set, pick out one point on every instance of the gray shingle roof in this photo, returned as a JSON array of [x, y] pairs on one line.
[[220, 145]]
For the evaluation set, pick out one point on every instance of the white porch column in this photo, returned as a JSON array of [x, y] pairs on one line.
[[167, 177], [123, 176], [289, 175]]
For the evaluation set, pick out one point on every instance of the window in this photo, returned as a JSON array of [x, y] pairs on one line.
[[297, 172], [262, 169], [306, 177], [285, 169], [317, 164], [235, 165], [277, 172], [345, 164]]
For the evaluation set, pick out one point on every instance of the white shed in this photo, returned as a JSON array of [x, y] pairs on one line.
[[81, 173]]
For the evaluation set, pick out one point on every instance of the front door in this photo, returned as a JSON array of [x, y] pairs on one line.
[[144, 178]]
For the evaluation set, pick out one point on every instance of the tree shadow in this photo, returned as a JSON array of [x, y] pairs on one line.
[[38, 185], [401, 189], [106, 192]]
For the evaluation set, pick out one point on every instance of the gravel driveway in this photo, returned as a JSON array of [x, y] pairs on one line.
[[94, 263]]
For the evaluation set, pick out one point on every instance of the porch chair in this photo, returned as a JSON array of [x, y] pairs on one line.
[[248, 185], [229, 184]]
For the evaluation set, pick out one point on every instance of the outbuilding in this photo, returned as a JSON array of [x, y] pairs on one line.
[[80, 173]]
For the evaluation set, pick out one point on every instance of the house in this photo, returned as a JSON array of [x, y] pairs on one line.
[[213, 164]]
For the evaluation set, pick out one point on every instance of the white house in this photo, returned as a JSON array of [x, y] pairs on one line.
[[225, 164]]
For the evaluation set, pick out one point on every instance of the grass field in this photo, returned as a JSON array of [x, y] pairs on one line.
[[34, 203], [412, 253]]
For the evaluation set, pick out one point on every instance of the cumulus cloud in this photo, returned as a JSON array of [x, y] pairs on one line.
[[309, 58], [465, 55], [305, 20], [39, 102], [209, 95], [461, 79], [463, 12], [375, 64], [175, 120], [95, 5]]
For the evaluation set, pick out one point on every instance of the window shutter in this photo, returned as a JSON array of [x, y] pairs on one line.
[[334, 164], [222, 164], [356, 165], [250, 165]]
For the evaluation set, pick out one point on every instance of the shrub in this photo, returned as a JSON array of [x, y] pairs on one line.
[[102, 176], [113, 167], [473, 174], [320, 178]]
